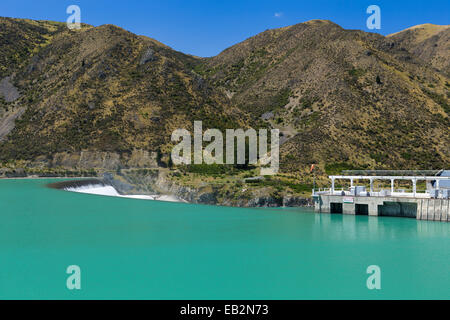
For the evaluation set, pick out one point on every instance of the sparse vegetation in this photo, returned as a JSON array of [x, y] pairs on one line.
[[439, 99], [334, 109], [357, 73], [338, 167]]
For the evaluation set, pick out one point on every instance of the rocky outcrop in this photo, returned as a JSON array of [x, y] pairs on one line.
[[132, 182], [7, 121], [142, 159], [267, 201], [121, 186], [158, 182], [105, 160], [278, 201], [291, 201], [148, 56], [8, 91]]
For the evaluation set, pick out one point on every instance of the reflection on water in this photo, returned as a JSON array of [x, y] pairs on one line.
[[432, 228], [351, 227]]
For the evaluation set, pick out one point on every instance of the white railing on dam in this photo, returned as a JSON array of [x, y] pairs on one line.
[[433, 189], [379, 193]]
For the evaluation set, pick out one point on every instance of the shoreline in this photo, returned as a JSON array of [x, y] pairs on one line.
[[41, 178], [168, 190]]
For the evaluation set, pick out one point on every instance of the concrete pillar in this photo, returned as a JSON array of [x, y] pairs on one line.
[[437, 184], [348, 208], [425, 209], [324, 205], [371, 185], [445, 209], [373, 208], [392, 186], [438, 209], [419, 209], [431, 204], [351, 182], [317, 205], [414, 186], [448, 210], [332, 185]]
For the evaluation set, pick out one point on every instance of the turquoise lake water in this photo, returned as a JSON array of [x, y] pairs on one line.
[[139, 249]]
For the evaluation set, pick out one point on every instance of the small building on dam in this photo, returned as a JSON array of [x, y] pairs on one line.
[[423, 195]]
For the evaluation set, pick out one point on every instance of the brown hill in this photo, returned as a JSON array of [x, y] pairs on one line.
[[339, 96], [429, 42], [106, 89], [342, 98]]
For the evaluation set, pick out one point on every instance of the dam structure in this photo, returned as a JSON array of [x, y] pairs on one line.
[[402, 197]]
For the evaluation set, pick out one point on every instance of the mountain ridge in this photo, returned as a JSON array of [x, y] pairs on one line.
[[105, 89], [429, 42]]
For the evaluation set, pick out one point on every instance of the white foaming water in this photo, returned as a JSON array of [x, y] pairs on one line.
[[112, 192], [95, 189]]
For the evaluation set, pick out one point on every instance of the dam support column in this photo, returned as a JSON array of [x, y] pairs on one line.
[[438, 210], [445, 210], [317, 201], [348, 208], [322, 204], [424, 209], [325, 206], [373, 208], [419, 209], [433, 209]]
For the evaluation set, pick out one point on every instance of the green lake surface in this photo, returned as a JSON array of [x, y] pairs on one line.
[[141, 249]]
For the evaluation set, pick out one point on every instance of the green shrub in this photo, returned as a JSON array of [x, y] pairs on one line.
[[357, 72], [338, 167], [282, 98]]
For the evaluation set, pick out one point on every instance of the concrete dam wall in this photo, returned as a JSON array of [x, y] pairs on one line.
[[421, 209], [434, 209]]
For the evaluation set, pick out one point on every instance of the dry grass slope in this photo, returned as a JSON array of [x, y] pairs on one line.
[[340, 97]]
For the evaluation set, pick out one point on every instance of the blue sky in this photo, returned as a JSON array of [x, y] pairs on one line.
[[205, 28]]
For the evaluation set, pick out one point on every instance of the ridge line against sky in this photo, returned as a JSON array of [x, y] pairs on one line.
[[205, 28]]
